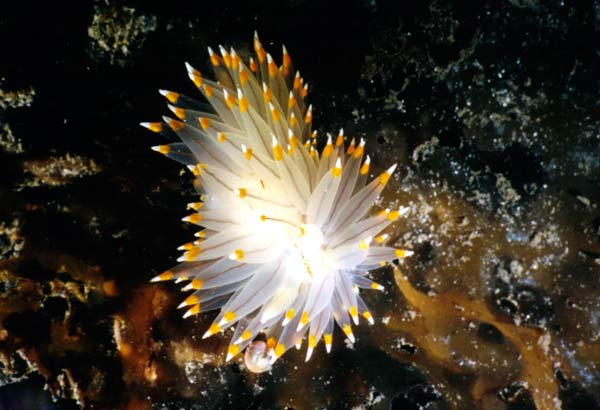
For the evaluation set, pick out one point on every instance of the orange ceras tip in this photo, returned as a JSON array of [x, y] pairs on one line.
[[289, 315], [312, 340], [227, 317], [193, 218], [214, 59], [213, 329], [232, 351], [377, 286], [246, 334], [347, 329], [194, 75], [293, 121], [381, 238], [287, 61], [292, 138], [190, 255], [267, 95], [353, 314], [241, 192], [351, 147], [297, 81], [244, 76], [364, 169], [304, 319], [308, 117], [328, 339], [277, 149], [393, 215], [186, 246], [237, 255], [336, 171], [291, 100], [194, 310], [277, 352], [166, 275], [163, 149], [170, 95], [235, 60], [364, 244], [385, 177], [229, 99], [194, 205], [204, 122], [226, 57], [274, 214], [242, 101], [258, 48], [328, 150], [189, 301], [179, 112], [340, 138], [208, 90], [194, 169], [153, 126], [271, 66], [359, 150], [174, 124], [247, 152], [367, 315], [195, 284], [252, 65], [274, 113], [403, 253]]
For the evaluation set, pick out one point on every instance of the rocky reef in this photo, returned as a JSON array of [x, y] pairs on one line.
[[490, 109]]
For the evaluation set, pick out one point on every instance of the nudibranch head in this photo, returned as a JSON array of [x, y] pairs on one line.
[[287, 239]]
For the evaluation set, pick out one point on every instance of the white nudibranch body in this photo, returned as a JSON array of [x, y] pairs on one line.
[[287, 238]]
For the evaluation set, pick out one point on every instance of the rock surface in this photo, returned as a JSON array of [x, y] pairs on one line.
[[491, 111]]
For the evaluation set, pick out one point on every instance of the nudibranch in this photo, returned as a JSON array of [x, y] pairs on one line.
[[287, 237]]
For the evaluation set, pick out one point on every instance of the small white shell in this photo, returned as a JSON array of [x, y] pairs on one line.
[[256, 357]]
